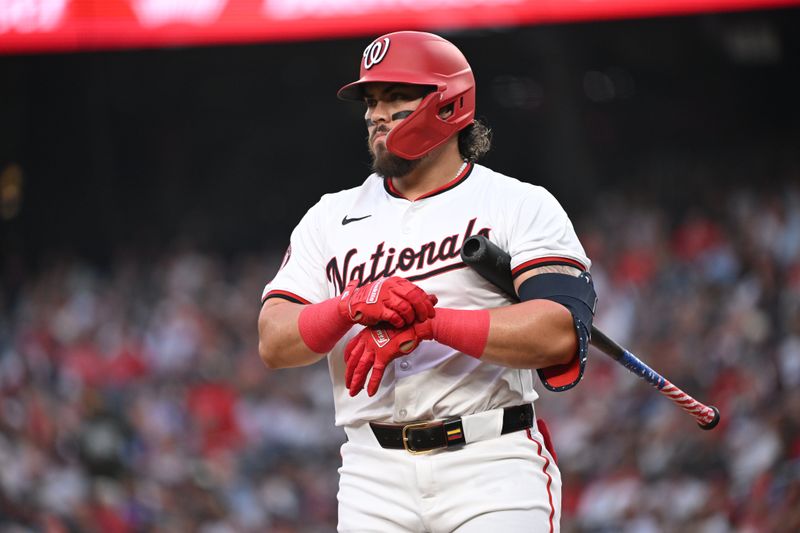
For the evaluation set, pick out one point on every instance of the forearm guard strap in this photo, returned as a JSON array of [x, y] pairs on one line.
[[577, 294]]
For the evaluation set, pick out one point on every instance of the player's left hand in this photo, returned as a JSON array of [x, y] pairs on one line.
[[375, 348], [394, 299]]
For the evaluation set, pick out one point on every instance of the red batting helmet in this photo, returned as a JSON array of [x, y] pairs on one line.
[[421, 59]]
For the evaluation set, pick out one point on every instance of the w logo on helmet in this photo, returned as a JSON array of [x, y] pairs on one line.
[[375, 52]]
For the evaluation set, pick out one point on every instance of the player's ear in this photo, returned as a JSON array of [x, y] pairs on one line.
[[447, 111]]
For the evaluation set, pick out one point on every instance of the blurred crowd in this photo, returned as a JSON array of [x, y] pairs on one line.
[[132, 397], [711, 299]]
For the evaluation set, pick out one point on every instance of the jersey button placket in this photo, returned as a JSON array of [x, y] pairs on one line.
[[409, 219], [404, 395]]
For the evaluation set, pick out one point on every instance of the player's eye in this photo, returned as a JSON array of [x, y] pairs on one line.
[[370, 102]]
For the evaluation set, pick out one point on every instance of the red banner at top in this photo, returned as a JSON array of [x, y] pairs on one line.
[[71, 25]]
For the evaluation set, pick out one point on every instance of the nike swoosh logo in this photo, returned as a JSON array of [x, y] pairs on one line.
[[346, 220]]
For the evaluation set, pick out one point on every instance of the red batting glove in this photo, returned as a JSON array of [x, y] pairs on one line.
[[375, 348], [394, 300]]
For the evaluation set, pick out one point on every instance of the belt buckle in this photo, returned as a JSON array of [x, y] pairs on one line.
[[419, 425]]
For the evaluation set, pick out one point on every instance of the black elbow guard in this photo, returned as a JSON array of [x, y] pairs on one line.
[[578, 295]]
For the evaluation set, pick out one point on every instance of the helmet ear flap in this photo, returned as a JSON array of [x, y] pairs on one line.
[[426, 128], [412, 138]]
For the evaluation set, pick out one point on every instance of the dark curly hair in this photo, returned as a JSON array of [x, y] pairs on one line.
[[474, 141]]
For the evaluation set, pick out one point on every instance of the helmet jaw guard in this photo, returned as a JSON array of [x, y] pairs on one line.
[[420, 58], [424, 129]]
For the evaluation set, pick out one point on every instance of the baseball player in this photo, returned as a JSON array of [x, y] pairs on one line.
[[431, 365]]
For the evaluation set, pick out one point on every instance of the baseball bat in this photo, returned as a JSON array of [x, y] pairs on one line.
[[494, 265]]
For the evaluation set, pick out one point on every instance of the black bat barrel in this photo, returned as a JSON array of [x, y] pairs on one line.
[[490, 261]]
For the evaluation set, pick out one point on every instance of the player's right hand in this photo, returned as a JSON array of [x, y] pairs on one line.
[[394, 300], [374, 348]]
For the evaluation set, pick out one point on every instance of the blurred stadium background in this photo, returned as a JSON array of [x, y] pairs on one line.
[[155, 154]]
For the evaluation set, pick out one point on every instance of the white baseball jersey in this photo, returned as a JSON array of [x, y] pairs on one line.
[[372, 231]]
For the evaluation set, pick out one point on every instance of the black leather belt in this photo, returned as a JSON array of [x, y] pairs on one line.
[[427, 436]]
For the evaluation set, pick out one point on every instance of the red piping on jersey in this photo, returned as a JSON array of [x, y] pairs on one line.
[[463, 175], [544, 261], [549, 479], [286, 295]]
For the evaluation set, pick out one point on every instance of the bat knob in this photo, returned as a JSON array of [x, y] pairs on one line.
[[474, 247], [714, 421]]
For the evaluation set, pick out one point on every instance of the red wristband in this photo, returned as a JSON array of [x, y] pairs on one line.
[[322, 325], [465, 330]]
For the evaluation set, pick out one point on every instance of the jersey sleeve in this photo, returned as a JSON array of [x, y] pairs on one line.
[[542, 234], [301, 276]]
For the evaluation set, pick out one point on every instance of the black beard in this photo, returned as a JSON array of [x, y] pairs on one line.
[[387, 165]]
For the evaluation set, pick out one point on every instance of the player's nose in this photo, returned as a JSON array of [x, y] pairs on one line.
[[381, 112]]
